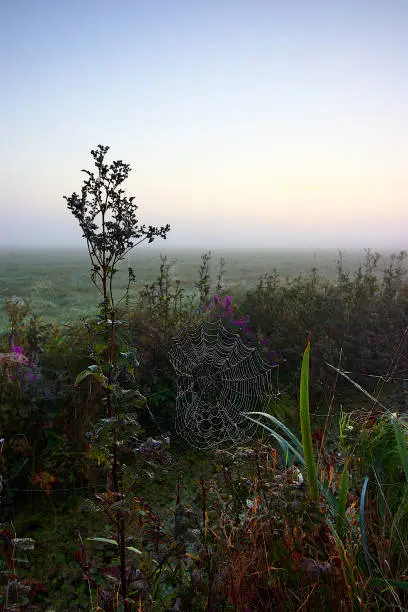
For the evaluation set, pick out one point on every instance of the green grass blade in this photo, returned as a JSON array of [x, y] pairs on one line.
[[311, 469], [401, 511], [330, 497], [104, 540], [362, 523], [290, 435], [342, 503], [284, 444], [402, 444], [398, 584], [378, 473]]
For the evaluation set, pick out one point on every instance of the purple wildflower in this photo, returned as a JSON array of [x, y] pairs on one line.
[[272, 356], [31, 376], [18, 350], [215, 299]]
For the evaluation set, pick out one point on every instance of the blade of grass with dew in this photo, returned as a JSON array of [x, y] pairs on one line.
[[104, 540], [362, 523], [378, 473], [285, 429], [311, 469]]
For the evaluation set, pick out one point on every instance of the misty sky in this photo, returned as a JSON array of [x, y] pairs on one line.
[[246, 123]]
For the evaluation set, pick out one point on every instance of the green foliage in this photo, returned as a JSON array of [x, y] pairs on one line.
[[377, 445], [380, 447], [358, 317], [302, 451], [380, 451], [246, 533]]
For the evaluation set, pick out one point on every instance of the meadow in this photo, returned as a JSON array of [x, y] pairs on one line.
[[311, 512], [56, 282]]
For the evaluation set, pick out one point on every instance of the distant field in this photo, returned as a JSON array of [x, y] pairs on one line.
[[57, 282]]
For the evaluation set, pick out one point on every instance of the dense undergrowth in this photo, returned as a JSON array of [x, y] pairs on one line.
[[104, 508]]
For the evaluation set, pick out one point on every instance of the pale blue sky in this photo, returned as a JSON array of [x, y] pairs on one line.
[[245, 123]]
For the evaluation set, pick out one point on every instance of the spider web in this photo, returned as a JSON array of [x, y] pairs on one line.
[[219, 378]]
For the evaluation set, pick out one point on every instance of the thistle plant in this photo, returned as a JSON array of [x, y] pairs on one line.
[[109, 224]]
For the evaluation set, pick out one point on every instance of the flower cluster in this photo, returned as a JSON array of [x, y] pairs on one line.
[[223, 309], [220, 307], [18, 355], [17, 365]]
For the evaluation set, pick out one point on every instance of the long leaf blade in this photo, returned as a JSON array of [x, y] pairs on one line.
[[282, 426], [342, 502], [362, 522], [284, 444], [311, 470]]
